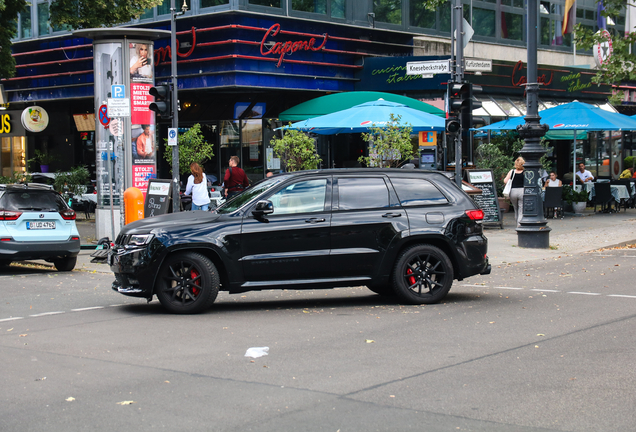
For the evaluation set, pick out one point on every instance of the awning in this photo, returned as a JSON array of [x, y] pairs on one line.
[[340, 101]]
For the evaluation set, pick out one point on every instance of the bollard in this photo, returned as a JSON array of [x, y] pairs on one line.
[[133, 205]]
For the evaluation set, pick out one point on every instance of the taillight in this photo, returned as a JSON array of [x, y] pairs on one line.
[[75, 238], [68, 214], [475, 214], [9, 215]]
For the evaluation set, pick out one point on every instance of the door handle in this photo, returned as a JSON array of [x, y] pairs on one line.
[[391, 215], [314, 220]]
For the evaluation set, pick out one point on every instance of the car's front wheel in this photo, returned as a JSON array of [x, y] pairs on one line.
[[65, 264], [423, 274], [188, 283]]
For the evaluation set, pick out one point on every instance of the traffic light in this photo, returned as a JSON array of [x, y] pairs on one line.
[[454, 98], [163, 100], [452, 125], [469, 104]]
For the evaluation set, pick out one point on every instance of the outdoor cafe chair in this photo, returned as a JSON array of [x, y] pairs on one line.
[[629, 202], [553, 202], [603, 197]]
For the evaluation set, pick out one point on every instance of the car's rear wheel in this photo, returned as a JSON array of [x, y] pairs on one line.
[[423, 274], [65, 264], [188, 283]]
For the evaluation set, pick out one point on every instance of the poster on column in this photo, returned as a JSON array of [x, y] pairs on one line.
[[143, 133]]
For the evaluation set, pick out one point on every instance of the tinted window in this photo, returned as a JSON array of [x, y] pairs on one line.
[[415, 192], [362, 193], [302, 197], [32, 200]]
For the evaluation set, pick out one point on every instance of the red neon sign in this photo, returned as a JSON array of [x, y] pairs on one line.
[[542, 79], [289, 47]]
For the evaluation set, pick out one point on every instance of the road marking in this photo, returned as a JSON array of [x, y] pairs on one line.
[[48, 313], [476, 285], [544, 290], [620, 295], [583, 293], [10, 319], [510, 288], [87, 308]]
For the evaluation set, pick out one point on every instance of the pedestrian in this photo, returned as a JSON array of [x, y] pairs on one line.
[[197, 187], [516, 192], [235, 179]]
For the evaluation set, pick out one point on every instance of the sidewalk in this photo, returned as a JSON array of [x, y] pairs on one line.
[[572, 235]]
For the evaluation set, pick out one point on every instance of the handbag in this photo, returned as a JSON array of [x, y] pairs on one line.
[[508, 187]]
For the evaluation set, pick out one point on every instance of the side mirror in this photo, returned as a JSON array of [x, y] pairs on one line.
[[263, 207]]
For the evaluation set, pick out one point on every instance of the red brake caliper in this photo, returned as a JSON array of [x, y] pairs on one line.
[[194, 274], [411, 278]]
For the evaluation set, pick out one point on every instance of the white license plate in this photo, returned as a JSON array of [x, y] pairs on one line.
[[40, 225]]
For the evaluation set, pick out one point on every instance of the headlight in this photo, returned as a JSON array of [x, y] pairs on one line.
[[140, 239]]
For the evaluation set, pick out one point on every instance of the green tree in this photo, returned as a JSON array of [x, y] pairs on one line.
[[97, 13], [192, 148], [390, 146], [621, 64], [296, 150], [9, 10], [73, 181]]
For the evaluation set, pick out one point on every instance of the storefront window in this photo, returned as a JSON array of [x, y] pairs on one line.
[[210, 3], [315, 6], [25, 23], [420, 16], [484, 22], [229, 144], [252, 142], [270, 3], [388, 11], [43, 19], [13, 155], [338, 8], [6, 157], [512, 26]]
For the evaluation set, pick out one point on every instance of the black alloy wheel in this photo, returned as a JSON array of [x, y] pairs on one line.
[[423, 274], [188, 283]]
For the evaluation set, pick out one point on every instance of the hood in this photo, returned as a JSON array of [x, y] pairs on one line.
[[170, 221]]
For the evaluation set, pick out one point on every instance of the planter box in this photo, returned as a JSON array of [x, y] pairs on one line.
[[504, 204], [579, 207]]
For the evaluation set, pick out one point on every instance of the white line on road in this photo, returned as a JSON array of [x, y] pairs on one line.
[[48, 313], [10, 319], [87, 308], [544, 290], [509, 288], [474, 285], [620, 295], [583, 293]]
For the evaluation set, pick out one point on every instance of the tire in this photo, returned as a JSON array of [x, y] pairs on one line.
[[423, 274], [65, 264], [188, 283]]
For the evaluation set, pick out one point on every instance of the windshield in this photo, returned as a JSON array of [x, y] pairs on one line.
[[248, 195]]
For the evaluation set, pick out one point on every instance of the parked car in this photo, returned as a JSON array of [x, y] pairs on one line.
[[403, 233], [36, 223]]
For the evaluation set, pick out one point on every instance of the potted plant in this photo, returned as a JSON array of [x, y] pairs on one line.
[[43, 159], [296, 150], [577, 199]]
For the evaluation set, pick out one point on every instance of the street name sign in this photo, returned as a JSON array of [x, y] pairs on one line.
[[118, 107], [478, 65], [428, 67]]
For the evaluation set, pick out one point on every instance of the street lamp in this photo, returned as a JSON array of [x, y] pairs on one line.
[[533, 231], [176, 205]]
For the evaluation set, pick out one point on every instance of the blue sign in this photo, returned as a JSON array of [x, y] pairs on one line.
[[118, 91]]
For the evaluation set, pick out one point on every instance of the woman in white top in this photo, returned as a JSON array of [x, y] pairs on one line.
[[553, 181], [198, 187]]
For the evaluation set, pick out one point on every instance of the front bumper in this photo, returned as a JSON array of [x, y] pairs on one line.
[[21, 250], [134, 270]]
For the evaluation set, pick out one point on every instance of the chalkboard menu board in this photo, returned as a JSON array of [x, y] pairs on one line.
[[158, 198], [487, 200]]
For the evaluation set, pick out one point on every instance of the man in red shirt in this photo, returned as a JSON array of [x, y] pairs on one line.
[[235, 179]]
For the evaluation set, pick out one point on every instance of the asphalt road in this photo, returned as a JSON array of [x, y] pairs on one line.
[[542, 346]]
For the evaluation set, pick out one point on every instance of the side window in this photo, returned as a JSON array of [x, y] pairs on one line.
[[416, 192], [301, 197], [362, 193]]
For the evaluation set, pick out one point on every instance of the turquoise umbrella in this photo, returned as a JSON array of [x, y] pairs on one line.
[[367, 115]]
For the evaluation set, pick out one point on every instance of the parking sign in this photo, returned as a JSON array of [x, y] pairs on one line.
[[117, 91]]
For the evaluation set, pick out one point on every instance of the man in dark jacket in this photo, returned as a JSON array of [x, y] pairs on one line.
[[235, 179]]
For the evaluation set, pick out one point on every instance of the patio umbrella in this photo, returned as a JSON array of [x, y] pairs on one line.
[[367, 115], [574, 116]]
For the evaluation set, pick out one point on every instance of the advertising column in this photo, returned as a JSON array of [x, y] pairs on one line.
[[143, 144]]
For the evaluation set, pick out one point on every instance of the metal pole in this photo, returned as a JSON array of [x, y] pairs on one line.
[[533, 231], [176, 205], [459, 74]]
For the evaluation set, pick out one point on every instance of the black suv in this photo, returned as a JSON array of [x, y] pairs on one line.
[[36, 223], [402, 233]]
